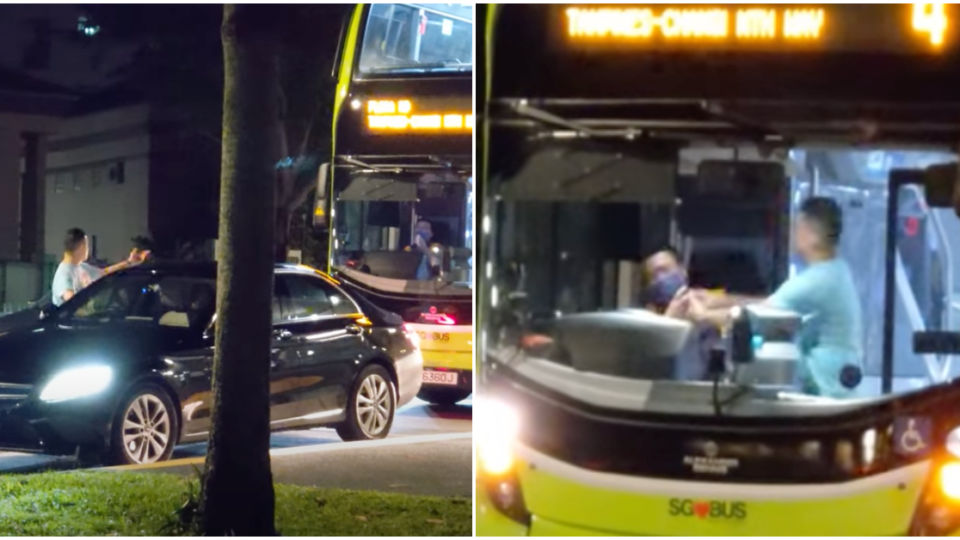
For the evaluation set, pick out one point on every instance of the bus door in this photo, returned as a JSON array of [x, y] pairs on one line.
[[924, 238]]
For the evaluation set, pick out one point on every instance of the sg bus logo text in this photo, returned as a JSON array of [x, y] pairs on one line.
[[708, 509]]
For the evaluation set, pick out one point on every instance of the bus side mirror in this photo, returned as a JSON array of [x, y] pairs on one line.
[[941, 185], [320, 209]]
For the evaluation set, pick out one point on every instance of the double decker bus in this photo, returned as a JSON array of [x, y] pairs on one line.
[[610, 132], [401, 168]]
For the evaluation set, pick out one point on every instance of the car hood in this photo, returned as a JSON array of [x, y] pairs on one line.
[[19, 319], [32, 353]]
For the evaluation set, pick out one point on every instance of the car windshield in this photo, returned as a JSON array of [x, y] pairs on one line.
[[413, 38], [144, 299], [594, 244]]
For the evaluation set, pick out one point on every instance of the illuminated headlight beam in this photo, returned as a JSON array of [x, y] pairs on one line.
[[77, 382]]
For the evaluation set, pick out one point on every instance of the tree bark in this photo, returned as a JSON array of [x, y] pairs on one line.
[[282, 234], [238, 496]]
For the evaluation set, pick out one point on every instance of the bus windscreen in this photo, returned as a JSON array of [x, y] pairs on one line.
[[409, 38]]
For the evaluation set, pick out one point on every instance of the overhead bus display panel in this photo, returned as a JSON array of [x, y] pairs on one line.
[[896, 28]]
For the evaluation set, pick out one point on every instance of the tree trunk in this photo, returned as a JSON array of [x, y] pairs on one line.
[[282, 233], [238, 494]]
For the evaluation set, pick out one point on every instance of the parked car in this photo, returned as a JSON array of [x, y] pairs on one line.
[[122, 371]]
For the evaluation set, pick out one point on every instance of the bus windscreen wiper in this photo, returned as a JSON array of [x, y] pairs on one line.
[[437, 66]]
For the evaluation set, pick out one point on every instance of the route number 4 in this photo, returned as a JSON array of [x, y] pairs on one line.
[[930, 18]]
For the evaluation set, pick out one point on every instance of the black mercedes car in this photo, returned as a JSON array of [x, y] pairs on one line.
[[122, 370]]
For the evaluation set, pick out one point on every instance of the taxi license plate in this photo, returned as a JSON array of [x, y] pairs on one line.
[[447, 378]]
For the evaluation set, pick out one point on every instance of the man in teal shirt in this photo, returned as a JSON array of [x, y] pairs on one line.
[[74, 273], [824, 293]]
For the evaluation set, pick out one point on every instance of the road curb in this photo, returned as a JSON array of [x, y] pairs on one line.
[[311, 449]]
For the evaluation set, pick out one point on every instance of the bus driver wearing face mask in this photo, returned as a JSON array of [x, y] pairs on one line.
[[665, 291], [664, 280]]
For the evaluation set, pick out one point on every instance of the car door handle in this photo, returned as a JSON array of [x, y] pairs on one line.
[[353, 329], [283, 335]]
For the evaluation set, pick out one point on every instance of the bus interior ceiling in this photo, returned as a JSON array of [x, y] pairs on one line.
[[617, 175]]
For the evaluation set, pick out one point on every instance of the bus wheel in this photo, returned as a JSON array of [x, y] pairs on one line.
[[445, 397]]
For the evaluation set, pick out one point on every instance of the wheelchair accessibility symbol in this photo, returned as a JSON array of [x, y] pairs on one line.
[[911, 435]]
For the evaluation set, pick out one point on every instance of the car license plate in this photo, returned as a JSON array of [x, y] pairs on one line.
[[447, 378]]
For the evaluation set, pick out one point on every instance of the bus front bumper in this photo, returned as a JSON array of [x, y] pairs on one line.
[[584, 503]]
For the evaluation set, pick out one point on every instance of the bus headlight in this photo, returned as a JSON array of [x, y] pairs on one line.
[[938, 511], [949, 480], [77, 382], [495, 434], [953, 442]]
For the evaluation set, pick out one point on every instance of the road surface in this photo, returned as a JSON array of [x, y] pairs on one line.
[[427, 452]]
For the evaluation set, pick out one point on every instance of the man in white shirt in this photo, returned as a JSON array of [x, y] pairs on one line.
[[73, 273]]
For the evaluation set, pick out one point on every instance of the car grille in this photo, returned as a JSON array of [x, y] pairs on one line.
[[11, 393]]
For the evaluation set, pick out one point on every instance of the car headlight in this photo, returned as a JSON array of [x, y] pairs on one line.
[[76, 383], [495, 433]]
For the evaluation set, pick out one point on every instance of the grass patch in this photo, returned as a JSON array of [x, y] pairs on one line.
[[82, 503]]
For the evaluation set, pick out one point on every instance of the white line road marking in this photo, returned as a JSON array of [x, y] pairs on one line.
[[313, 449], [412, 439]]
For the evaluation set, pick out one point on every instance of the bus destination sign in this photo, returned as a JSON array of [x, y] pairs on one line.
[[890, 27]]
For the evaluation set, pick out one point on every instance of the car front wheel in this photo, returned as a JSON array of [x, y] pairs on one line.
[[145, 430], [371, 406]]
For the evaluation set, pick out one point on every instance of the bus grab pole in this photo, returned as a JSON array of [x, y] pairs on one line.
[[897, 179]]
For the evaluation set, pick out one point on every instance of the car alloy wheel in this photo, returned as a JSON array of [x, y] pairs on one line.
[[374, 405], [147, 429], [371, 404]]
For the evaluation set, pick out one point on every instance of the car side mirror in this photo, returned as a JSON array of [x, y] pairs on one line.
[[47, 311], [209, 333]]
